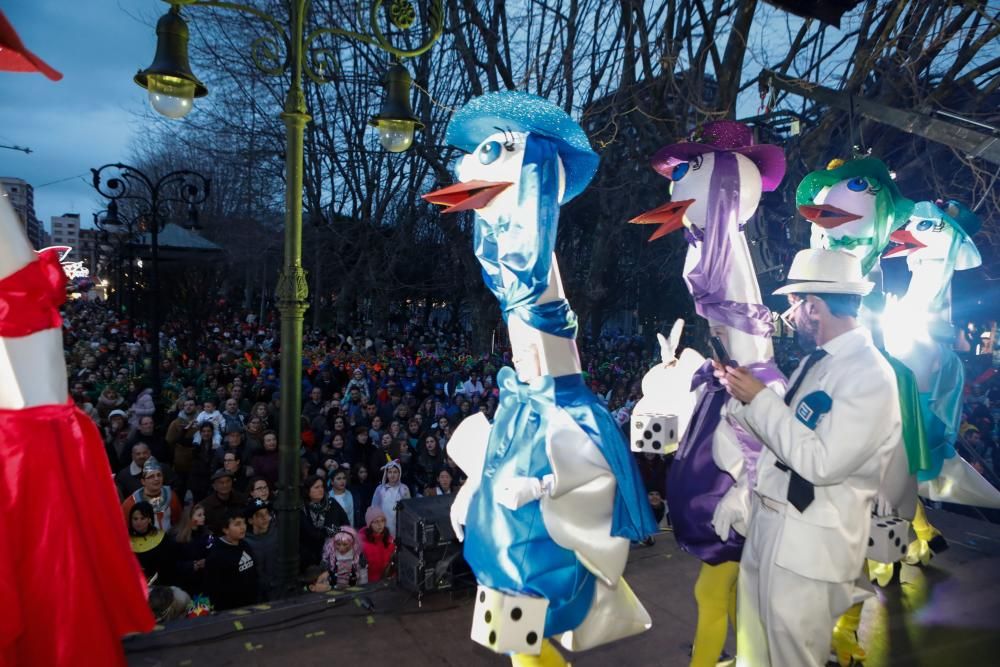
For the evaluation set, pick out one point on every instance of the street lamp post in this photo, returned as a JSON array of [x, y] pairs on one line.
[[172, 88], [114, 243], [152, 201]]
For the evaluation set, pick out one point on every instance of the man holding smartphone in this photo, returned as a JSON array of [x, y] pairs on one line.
[[828, 446]]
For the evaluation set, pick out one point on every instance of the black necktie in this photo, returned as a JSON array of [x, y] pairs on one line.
[[800, 491]]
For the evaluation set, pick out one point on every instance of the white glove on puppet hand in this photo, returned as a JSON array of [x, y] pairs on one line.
[[733, 511], [668, 347], [460, 509], [882, 506], [516, 492]]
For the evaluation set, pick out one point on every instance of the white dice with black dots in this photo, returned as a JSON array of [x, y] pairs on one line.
[[507, 623], [889, 538], [654, 434]]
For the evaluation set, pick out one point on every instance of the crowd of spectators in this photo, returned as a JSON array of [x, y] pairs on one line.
[[197, 472]]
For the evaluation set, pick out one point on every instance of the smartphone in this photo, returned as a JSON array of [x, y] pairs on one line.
[[720, 350]]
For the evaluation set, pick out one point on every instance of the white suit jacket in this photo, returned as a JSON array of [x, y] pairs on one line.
[[842, 433]]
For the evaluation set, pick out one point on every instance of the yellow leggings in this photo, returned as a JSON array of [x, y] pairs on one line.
[[922, 527], [549, 657], [715, 593], [845, 637]]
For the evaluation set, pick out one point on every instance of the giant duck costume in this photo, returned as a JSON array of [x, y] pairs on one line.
[[716, 179], [553, 496]]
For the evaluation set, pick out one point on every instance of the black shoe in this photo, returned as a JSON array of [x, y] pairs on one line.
[[938, 544]]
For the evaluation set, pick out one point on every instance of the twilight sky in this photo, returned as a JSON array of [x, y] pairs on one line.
[[87, 118]]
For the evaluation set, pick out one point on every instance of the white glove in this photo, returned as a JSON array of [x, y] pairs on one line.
[[460, 509], [517, 492], [882, 506], [668, 347], [733, 511]]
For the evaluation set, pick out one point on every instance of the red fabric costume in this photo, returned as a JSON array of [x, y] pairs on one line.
[[70, 586]]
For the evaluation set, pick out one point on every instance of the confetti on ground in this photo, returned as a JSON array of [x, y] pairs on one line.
[[237, 625], [240, 612], [318, 633], [261, 607], [370, 620]]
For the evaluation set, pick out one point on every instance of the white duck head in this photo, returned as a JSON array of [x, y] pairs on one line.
[[939, 231], [489, 178], [691, 165], [525, 157], [717, 178], [853, 206]]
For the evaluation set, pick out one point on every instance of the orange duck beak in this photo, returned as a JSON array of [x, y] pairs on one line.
[[908, 244], [466, 196], [670, 217], [825, 216]]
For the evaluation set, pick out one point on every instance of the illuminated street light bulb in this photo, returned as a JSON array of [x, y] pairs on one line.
[[171, 96], [395, 122], [171, 84], [396, 135]]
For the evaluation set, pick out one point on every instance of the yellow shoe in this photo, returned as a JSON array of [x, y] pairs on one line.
[[847, 649], [882, 573], [548, 657], [918, 552]]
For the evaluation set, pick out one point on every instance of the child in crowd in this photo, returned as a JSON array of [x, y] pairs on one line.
[[377, 544], [316, 579], [390, 492], [210, 413], [230, 571], [344, 558], [262, 536]]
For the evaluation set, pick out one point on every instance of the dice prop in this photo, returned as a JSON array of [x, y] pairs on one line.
[[889, 538], [506, 623], [654, 433]]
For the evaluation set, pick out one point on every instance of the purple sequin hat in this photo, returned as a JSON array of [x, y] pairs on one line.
[[719, 136]]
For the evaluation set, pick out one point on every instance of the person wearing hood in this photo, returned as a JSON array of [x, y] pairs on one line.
[[390, 492], [115, 437], [142, 407], [377, 544], [344, 559]]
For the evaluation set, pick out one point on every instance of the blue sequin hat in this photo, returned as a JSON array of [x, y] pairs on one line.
[[521, 112]]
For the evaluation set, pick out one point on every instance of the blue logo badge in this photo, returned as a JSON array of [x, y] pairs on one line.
[[812, 408]]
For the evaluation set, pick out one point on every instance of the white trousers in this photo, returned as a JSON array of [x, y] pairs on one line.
[[783, 619]]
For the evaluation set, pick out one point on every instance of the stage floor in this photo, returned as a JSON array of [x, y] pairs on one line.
[[945, 615]]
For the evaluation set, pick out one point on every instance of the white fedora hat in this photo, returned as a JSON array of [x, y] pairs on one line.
[[819, 271]]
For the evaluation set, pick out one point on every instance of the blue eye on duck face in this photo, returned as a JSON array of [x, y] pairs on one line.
[[489, 152], [869, 186], [924, 225], [679, 171]]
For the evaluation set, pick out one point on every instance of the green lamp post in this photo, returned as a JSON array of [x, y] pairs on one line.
[[172, 89]]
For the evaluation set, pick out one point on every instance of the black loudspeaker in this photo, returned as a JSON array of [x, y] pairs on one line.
[[435, 570], [424, 523], [429, 557]]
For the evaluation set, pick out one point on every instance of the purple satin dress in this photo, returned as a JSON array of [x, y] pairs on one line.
[[695, 484]]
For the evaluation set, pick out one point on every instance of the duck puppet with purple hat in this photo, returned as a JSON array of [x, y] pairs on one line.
[[717, 177]]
